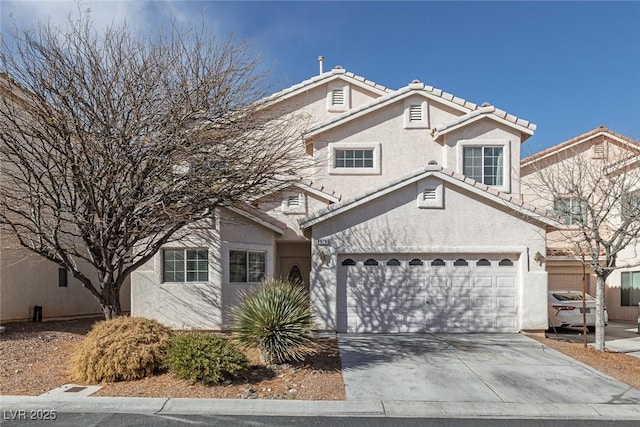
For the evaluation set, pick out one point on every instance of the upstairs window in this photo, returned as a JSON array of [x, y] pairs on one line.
[[185, 265], [354, 158], [485, 164], [571, 210]]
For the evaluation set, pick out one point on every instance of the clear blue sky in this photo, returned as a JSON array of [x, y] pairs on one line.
[[566, 66]]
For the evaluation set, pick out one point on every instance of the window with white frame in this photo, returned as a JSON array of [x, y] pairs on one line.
[[354, 158], [485, 164], [630, 289], [571, 210], [185, 265], [247, 266]]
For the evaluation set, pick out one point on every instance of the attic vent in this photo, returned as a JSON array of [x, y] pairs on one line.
[[598, 150], [430, 194], [293, 201], [415, 113], [337, 97]]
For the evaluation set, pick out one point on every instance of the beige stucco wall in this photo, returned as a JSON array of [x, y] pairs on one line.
[[394, 224], [205, 305], [403, 150], [27, 280]]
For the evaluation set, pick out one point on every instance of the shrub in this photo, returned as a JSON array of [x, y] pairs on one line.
[[201, 357], [276, 319], [122, 349]]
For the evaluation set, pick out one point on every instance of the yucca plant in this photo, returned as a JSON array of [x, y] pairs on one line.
[[121, 349], [277, 320]]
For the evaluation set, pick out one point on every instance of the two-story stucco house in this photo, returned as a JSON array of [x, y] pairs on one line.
[[411, 220], [598, 149]]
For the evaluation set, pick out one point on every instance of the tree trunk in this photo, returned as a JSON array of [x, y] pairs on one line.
[[110, 302], [599, 344]]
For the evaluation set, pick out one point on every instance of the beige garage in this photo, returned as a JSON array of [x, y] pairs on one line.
[[427, 293]]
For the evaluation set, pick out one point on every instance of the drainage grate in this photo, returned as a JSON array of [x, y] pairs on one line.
[[75, 389]]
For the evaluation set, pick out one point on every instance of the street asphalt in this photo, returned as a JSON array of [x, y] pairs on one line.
[[408, 375]]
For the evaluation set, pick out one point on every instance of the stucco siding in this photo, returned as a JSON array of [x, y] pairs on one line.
[[394, 224]]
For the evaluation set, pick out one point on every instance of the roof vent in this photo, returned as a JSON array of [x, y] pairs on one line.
[[432, 162], [485, 104], [338, 69], [416, 84], [321, 61]]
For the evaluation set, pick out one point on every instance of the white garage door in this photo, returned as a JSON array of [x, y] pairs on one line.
[[424, 293]]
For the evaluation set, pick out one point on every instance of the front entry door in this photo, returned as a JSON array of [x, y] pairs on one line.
[[296, 268]]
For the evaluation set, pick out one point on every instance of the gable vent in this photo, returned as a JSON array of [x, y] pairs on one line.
[[430, 194], [293, 201], [415, 113], [337, 97], [598, 149]]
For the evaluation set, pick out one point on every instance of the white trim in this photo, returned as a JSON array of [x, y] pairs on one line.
[[350, 204], [334, 146], [379, 103], [506, 167]]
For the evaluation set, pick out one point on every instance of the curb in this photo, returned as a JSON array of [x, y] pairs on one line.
[[333, 408]]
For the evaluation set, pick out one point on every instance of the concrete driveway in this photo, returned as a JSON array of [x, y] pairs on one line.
[[491, 368]]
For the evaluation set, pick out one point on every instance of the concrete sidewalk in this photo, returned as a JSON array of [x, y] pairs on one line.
[[298, 408]]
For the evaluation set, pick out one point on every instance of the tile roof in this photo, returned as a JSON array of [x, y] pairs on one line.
[[600, 130], [258, 216], [470, 110], [484, 111], [447, 174], [336, 72]]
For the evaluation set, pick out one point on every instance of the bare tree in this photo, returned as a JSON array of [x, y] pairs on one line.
[[598, 199], [113, 141]]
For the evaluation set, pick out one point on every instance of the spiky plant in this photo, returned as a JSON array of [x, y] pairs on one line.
[[277, 320], [121, 349]]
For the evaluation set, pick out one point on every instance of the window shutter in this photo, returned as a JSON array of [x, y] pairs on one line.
[[415, 113]]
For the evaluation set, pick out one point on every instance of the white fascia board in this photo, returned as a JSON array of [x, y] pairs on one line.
[[256, 219], [317, 192], [378, 104], [358, 202], [578, 142], [434, 249], [491, 116]]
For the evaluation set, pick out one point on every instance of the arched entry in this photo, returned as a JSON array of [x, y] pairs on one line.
[[295, 275]]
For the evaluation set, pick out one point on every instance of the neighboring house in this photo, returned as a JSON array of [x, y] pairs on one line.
[[411, 220], [600, 146], [28, 280]]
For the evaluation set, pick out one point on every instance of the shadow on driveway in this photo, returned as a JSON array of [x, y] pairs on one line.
[[470, 368]]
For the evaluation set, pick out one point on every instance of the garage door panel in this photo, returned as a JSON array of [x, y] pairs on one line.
[[421, 298]]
